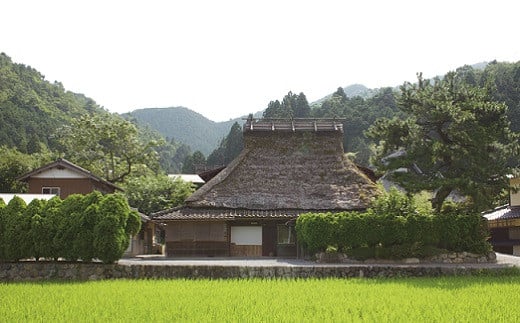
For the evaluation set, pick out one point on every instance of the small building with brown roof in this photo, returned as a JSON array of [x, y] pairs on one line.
[[287, 167], [64, 178]]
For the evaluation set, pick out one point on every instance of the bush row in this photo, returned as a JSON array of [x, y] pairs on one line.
[[393, 228], [80, 227]]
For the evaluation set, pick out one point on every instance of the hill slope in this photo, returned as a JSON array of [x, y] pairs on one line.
[[31, 108]]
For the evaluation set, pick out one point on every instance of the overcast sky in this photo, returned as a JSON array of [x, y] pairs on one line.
[[225, 59]]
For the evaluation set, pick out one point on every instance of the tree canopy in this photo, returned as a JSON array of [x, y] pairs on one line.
[[292, 106], [152, 193], [455, 138], [106, 145]]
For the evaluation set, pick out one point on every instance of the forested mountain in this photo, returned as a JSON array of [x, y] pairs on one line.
[[31, 108], [184, 125], [360, 107]]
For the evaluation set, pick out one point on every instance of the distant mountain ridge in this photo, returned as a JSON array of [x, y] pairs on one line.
[[200, 133], [184, 125]]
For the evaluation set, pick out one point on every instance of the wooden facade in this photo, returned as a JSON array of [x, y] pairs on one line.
[[233, 238]]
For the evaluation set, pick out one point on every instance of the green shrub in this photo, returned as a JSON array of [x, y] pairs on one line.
[[69, 226], [16, 227], [51, 218], [79, 227], [88, 219], [351, 230], [316, 230], [394, 228], [110, 236], [35, 231], [133, 224]]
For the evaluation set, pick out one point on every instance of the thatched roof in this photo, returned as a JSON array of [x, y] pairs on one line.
[[289, 168]]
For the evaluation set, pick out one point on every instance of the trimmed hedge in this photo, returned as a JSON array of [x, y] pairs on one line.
[[393, 228], [85, 227]]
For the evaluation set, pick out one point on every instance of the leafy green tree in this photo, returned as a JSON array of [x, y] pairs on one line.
[[301, 107], [152, 193], [275, 110], [359, 114], [107, 145], [172, 155], [505, 81], [14, 164], [455, 137]]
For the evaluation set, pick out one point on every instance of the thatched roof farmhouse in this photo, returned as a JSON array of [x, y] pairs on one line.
[[287, 167]]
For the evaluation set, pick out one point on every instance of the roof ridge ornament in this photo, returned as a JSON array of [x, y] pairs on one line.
[[293, 124]]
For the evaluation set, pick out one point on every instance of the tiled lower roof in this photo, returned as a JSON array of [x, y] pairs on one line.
[[504, 213], [187, 213]]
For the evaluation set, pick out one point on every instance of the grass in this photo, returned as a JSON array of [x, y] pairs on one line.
[[449, 299]]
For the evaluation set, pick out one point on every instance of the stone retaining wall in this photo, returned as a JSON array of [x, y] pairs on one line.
[[31, 271], [448, 258]]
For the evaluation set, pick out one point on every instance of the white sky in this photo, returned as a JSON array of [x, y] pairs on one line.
[[225, 59]]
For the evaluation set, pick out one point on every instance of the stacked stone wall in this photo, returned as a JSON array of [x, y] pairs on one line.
[[448, 258], [30, 271]]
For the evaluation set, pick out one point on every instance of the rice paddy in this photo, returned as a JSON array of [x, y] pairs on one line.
[[453, 299]]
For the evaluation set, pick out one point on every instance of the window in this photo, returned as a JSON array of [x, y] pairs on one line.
[[51, 190], [286, 234]]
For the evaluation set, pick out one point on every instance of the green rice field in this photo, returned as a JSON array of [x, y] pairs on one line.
[[449, 299]]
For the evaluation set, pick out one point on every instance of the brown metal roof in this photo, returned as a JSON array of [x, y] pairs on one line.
[[60, 162]]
